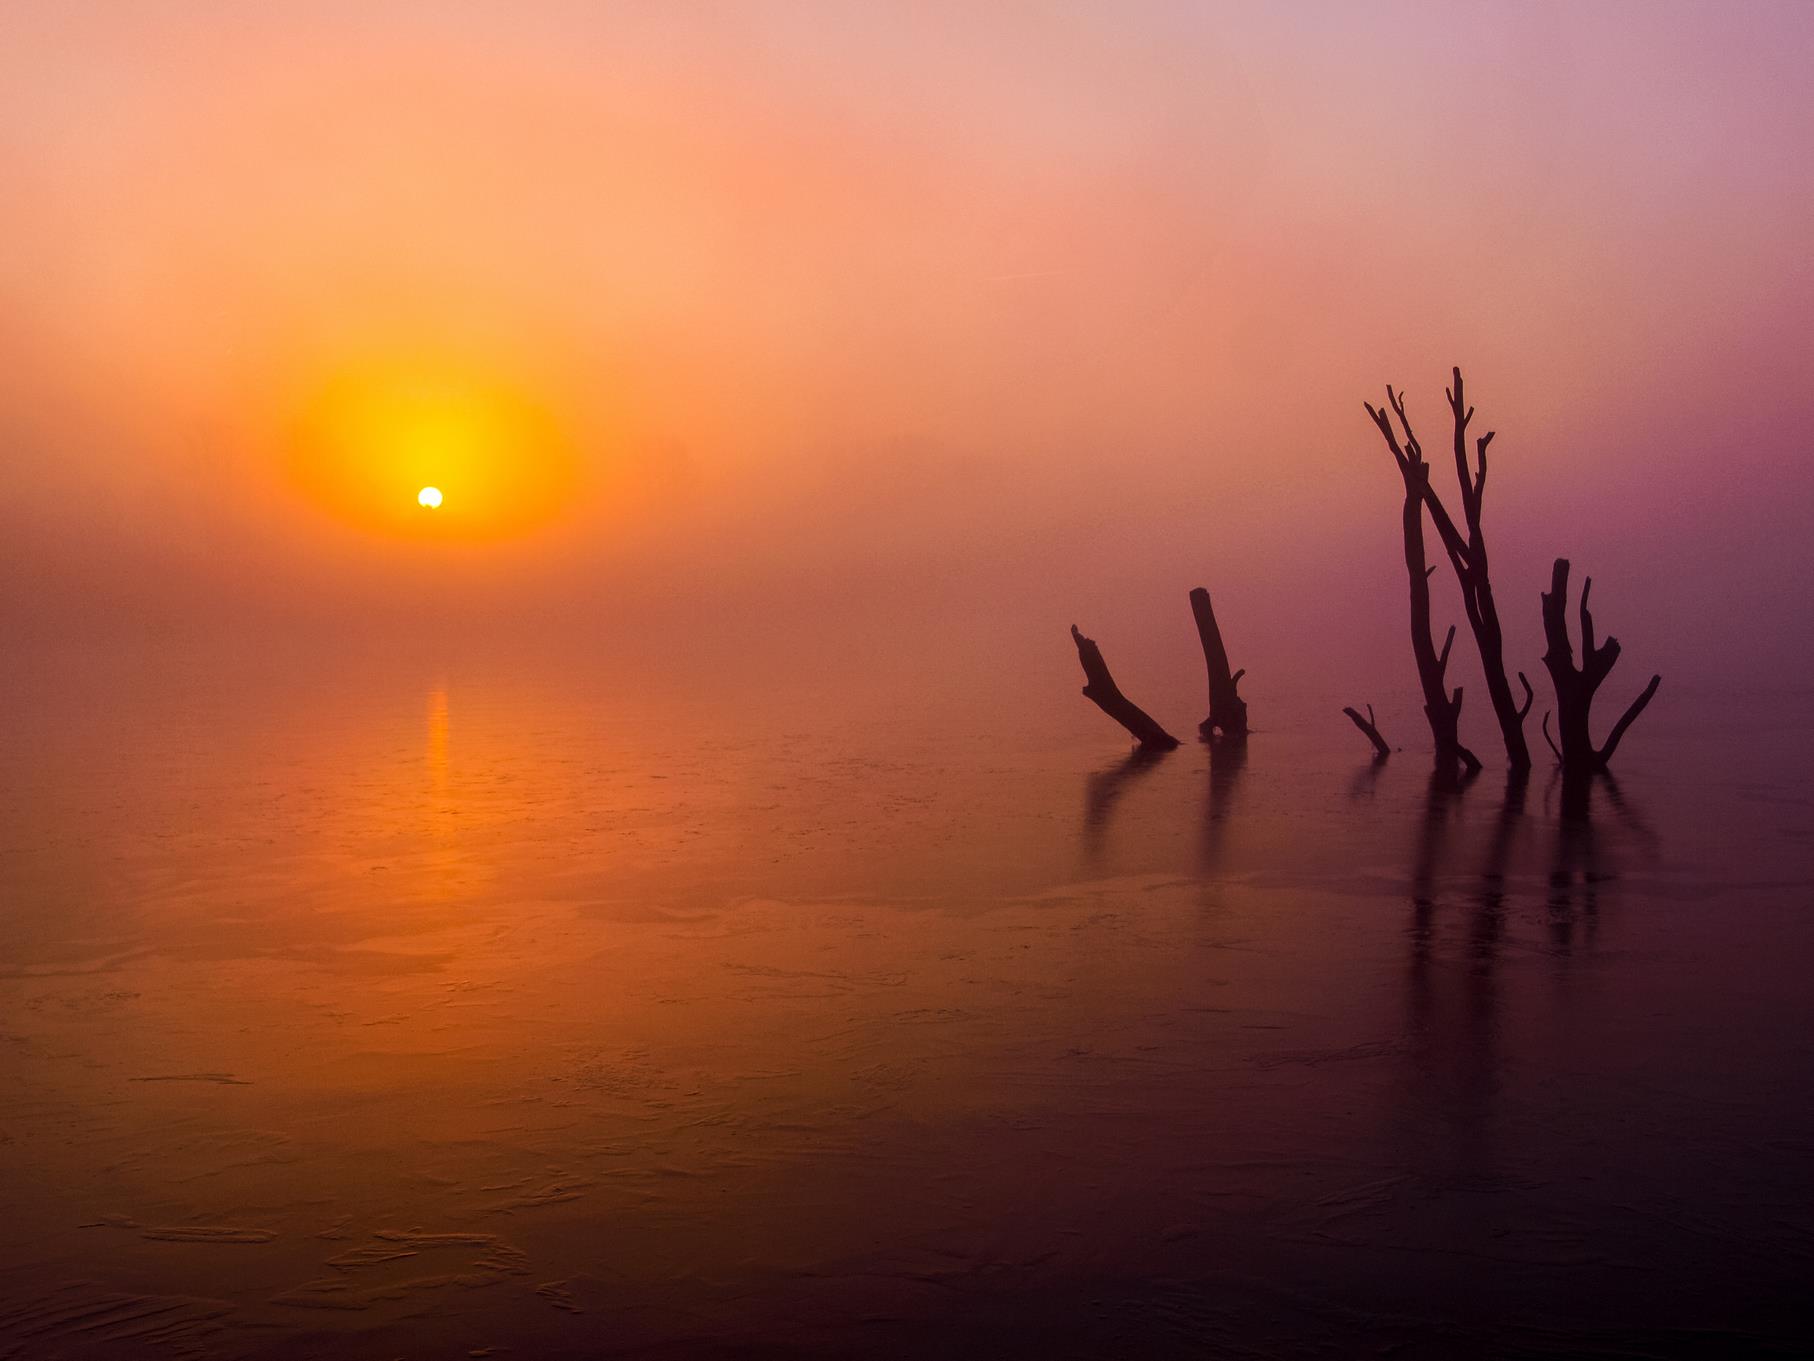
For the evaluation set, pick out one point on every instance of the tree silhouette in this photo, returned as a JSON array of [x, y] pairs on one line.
[[1575, 685], [1468, 556], [1441, 708]]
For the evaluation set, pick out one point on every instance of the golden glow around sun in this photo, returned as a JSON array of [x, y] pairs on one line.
[[379, 442]]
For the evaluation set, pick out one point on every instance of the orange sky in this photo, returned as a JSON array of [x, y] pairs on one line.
[[962, 321]]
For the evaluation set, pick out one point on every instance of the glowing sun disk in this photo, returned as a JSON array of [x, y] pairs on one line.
[[382, 444]]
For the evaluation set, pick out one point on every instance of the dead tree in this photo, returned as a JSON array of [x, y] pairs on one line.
[[1442, 708], [1575, 685], [1370, 726], [1468, 556], [1227, 710], [1106, 695]]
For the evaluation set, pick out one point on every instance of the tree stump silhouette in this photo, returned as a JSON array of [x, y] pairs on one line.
[[1227, 710], [1102, 691], [1576, 685]]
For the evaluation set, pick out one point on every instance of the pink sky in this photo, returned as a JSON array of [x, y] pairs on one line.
[[958, 323]]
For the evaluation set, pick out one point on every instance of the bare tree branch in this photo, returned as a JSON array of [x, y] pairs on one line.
[[1468, 557], [1626, 719]]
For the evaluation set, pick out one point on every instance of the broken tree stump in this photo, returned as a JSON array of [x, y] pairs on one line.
[[1227, 710], [1575, 685], [1102, 691]]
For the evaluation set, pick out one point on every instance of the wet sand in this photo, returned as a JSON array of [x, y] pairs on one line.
[[463, 1018]]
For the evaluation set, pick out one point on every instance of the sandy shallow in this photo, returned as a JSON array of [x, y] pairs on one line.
[[460, 1019]]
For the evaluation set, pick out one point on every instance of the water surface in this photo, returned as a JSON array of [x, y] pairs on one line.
[[447, 1016]]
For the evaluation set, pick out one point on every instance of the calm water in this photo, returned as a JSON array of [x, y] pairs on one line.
[[444, 1018]]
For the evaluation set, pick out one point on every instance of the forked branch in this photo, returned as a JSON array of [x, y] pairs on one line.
[[1467, 553], [1441, 708], [1381, 748], [1577, 685]]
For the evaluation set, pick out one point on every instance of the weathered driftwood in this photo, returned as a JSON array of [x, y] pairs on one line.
[[1575, 685], [1227, 710], [1468, 556], [1441, 708], [1382, 749], [1106, 695]]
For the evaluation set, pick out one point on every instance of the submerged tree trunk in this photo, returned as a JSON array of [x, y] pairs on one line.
[[1468, 556], [1106, 695], [1477, 590], [1227, 710], [1441, 708], [1575, 685]]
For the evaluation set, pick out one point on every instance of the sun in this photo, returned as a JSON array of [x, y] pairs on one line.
[[394, 445]]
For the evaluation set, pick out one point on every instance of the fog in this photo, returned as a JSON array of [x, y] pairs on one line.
[[891, 346]]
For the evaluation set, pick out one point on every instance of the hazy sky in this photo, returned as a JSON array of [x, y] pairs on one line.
[[900, 328]]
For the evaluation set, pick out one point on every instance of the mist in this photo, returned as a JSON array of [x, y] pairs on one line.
[[896, 348]]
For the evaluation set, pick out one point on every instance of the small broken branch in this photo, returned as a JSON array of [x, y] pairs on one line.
[[1102, 691], [1227, 710], [1381, 747]]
